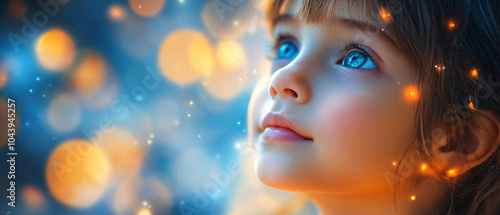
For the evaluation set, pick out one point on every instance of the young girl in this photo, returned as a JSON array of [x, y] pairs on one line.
[[382, 107]]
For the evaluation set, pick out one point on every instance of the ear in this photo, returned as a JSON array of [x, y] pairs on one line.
[[487, 135]]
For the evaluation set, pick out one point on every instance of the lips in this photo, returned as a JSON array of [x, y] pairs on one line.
[[279, 128]]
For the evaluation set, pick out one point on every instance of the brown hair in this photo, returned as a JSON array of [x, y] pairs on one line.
[[454, 50]]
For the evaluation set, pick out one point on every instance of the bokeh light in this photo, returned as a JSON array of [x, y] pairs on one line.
[[77, 173], [136, 193], [228, 19], [55, 49], [185, 56], [144, 211], [33, 197], [117, 12], [223, 83], [230, 55], [3, 76], [17, 9], [147, 8], [89, 75], [64, 112], [125, 151]]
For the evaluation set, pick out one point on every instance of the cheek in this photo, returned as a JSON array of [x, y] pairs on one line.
[[361, 135]]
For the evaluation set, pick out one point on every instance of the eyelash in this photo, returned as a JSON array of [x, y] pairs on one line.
[[347, 46], [350, 45], [275, 44]]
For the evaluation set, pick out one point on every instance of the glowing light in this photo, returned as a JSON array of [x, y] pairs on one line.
[[412, 198], [411, 93], [235, 21], [55, 49], [471, 105], [224, 83], [33, 196], [77, 173], [3, 76], [451, 24], [424, 167], [149, 141], [126, 158], [64, 112], [394, 163], [452, 173], [89, 75], [130, 195], [144, 211], [185, 56], [117, 12], [230, 55], [147, 8], [190, 102], [385, 15], [474, 73]]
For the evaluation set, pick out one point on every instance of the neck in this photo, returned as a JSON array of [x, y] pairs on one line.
[[428, 199]]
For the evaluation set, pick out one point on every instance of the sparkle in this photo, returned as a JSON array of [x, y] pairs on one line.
[[43, 95], [237, 145], [149, 141], [241, 79], [37, 78], [471, 105], [190, 102], [412, 198], [189, 115], [474, 73], [394, 163], [385, 15], [181, 1], [239, 123], [144, 203], [452, 173], [31, 90], [236, 23], [451, 25], [199, 135], [151, 136], [140, 6], [423, 167]]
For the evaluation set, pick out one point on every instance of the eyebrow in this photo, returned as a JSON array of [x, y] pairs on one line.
[[348, 23]]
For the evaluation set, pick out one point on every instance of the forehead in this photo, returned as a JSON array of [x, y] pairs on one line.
[[325, 11]]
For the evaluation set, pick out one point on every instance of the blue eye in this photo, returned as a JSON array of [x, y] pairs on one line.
[[287, 50], [359, 60]]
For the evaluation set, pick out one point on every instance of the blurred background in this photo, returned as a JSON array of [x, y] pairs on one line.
[[132, 107]]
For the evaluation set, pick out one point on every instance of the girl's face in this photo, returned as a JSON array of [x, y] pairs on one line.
[[344, 85]]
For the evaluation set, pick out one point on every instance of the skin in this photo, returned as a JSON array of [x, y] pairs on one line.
[[361, 121]]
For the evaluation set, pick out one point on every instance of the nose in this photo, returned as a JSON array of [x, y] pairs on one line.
[[291, 82]]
